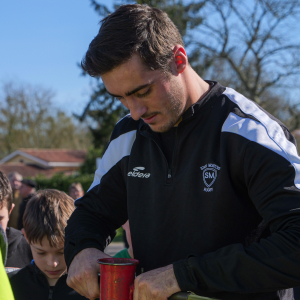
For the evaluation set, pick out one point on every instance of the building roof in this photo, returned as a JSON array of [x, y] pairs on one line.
[[49, 157], [56, 155]]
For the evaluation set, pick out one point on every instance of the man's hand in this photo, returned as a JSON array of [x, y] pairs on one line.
[[83, 273], [158, 284]]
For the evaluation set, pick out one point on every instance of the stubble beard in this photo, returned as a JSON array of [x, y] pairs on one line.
[[174, 110]]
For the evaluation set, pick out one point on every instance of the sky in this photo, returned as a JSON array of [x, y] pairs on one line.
[[41, 43]]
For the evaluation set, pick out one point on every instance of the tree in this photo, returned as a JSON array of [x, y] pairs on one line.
[[29, 120], [253, 49]]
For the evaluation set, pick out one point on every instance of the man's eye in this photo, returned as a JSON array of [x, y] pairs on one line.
[[143, 94], [40, 253]]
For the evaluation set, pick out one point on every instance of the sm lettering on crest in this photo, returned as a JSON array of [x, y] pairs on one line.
[[210, 173]]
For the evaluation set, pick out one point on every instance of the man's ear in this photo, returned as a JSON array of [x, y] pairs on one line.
[[24, 233], [180, 58]]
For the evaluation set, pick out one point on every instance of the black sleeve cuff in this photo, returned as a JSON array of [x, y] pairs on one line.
[[188, 275]]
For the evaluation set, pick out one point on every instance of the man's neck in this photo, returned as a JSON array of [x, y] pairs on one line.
[[196, 87]]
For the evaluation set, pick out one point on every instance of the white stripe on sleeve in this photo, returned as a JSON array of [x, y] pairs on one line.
[[117, 149], [266, 132]]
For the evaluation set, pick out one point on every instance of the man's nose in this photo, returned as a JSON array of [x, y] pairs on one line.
[[137, 107]]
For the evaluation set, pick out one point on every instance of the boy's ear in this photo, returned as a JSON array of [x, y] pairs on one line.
[[24, 233], [12, 207]]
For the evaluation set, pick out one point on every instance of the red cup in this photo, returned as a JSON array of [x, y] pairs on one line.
[[116, 278]]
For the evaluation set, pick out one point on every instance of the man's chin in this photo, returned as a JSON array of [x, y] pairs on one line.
[[160, 128]]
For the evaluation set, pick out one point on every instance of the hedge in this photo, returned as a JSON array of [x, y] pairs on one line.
[[62, 182]]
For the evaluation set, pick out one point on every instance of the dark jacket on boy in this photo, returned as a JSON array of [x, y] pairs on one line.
[[31, 283], [19, 253]]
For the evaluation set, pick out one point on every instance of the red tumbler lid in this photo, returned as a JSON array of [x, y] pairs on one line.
[[114, 261]]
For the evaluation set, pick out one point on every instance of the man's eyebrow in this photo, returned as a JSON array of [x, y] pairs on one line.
[[133, 91]]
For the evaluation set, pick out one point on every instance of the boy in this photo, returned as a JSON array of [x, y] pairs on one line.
[[127, 252], [44, 220], [75, 190], [18, 253]]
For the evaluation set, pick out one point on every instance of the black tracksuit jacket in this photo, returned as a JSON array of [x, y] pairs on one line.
[[18, 253], [30, 283], [225, 213]]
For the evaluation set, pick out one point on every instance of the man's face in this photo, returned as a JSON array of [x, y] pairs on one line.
[[49, 260], [15, 182], [151, 95], [4, 215], [25, 190]]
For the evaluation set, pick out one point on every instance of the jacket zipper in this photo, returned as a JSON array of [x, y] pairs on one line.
[[50, 294], [169, 173]]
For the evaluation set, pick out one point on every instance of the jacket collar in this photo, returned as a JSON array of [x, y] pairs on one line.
[[215, 90]]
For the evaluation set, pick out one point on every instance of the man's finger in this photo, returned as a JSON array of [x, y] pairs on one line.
[[92, 285]]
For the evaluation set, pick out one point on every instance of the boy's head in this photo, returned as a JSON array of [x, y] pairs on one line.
[[6, 199], [75, 190], [44, 221]]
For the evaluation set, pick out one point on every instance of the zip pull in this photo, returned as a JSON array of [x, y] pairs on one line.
[[50, 294], [169, 174]]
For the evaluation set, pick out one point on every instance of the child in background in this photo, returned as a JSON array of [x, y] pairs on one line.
[[44, 220], [75, 190], [18, 253], [126, 253], [5, 289]]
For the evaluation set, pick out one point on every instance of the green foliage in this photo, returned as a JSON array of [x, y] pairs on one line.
[[89, 166], [28, 119], [119, 235], [62, 182]]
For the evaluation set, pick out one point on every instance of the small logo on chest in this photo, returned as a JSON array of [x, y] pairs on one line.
[[210, 173], [137, 173]]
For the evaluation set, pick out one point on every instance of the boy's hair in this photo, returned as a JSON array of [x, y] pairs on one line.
[[75, 185], [6, 197], [132, 28], [47, 213]]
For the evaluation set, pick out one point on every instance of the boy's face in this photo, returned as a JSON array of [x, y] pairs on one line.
[[49, 260], [4, 215], [76, 193]]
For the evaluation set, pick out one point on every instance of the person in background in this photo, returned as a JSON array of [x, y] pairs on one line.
[[75, 190], [15, 180], [127, 252], [26, 191], [45, 219], [18, 253], [5, 288]]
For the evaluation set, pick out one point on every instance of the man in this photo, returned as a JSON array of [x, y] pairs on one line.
[[15, 180], [208, 180], [26, 191]]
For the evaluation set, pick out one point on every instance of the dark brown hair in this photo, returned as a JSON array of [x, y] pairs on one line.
[[131, 29], [6, 197], [47, 213]]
